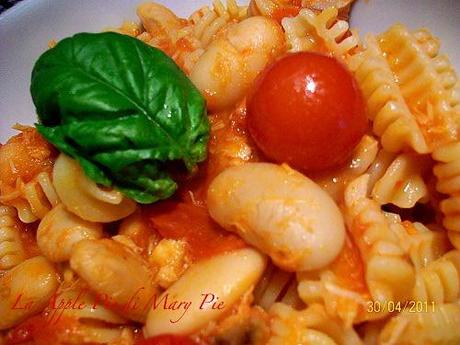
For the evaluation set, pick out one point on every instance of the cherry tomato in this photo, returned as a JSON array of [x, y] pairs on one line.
[[167, 339], [307, 110]]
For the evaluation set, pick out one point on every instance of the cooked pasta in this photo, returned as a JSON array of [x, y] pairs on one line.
[[25, 181], [272, 286], [433, 326], [447, 172], [422, 244], [439, 281], [425, 82], [341, 288], [354, 241], [207, 23], [363, 159], [392, 119], [402, 184], [309, 326], [187, 40], [388, 271], [12, 251], [275, 9], [320, 32], [60, 230], [84, 197]]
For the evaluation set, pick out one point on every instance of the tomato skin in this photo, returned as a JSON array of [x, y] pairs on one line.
[[167, 339], [307, 110]]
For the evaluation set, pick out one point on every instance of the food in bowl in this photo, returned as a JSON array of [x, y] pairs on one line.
[[249, 175]]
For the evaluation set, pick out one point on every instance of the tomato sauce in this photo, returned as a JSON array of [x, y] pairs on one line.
[[191, 223], [41, 331], [349, 268], [23, 157], [229, 144]]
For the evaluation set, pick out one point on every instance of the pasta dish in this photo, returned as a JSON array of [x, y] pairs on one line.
[[249, 175]]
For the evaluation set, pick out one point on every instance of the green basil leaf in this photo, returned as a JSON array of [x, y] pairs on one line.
[[123, 109]]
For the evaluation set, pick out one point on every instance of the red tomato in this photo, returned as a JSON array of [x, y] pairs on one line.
[[167, 339], [193, 224], [307, 110]]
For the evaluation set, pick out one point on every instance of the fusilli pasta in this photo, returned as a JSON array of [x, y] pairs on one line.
[[362, 159], [439, 282], [185, 40], [433, 326], [12, 250], [402, 183], [426, 81], [34, 199], [388, 271], [447, 172], [392, 119], [60, 230], [310, 326], [273, 283], [84, 197], [322, 32]]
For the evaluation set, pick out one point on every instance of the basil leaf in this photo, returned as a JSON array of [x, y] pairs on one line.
[[121, 108]]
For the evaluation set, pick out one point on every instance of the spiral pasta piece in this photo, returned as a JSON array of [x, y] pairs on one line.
[[309, 326], [26, 161], [422, 245], [83, 197], [322, 32], [341, 288], [439, 282], [447, 172], [392, 119], [186, 40], [341, 302], [426, 81], [388, 271], [364, 156], [402, 183], [437, 326], [275, 9], [34, 199], [206, 23], [12, 251], [271, 286], [60, 230]]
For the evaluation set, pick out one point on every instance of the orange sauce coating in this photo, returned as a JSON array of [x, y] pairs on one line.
[[23, 157]]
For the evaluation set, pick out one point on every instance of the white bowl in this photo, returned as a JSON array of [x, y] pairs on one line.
[[26, 29]]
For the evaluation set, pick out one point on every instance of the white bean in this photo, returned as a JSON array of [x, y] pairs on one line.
[[205, 292], [230, 64], [26, 290], [279, 211], [117, 274]]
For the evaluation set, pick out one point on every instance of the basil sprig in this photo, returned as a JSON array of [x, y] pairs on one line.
[[121, 108]]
